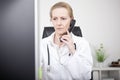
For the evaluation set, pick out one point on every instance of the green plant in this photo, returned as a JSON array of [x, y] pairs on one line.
[[40, 73], [100, 54]]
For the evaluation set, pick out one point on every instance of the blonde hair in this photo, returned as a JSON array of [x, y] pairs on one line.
[[63, 5]]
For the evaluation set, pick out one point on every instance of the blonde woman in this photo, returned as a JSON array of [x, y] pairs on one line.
[[69, 56]]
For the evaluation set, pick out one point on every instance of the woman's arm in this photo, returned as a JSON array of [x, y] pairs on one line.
[[80, 64]]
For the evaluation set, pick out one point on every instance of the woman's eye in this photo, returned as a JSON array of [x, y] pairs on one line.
[[63, 18], [54, 18]]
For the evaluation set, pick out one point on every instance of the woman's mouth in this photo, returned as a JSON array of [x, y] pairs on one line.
[[60, 29]]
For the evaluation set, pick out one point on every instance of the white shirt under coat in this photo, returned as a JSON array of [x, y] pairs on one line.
[[63, 66]]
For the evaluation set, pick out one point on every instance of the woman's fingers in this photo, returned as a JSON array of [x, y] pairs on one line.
[[67, 38], [69, 41], [68, 33]]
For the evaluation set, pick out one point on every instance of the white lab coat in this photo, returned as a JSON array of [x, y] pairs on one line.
[[63, 66]]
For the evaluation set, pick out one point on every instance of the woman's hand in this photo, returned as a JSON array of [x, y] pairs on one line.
[[67, 39]]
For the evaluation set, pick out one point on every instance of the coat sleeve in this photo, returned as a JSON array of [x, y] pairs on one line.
[[80, 64]]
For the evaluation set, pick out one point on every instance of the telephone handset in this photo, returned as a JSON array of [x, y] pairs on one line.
[[72, 23]]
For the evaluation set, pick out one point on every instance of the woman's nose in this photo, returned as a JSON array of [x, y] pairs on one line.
[[59, 22]]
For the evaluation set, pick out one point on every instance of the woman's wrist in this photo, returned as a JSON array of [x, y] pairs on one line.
[[72, 49]]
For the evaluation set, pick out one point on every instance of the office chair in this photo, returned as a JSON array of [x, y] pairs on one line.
[[49, 30]]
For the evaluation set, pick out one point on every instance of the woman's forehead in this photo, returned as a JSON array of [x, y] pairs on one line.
[[60, 12]]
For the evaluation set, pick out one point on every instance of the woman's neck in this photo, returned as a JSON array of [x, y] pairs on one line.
[[57, 40]]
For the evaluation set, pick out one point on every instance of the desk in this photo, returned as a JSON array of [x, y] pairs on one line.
[[111, 70]]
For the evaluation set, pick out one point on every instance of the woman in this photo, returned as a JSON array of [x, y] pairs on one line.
[[70, 56]]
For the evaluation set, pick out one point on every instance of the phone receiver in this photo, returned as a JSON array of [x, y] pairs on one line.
[[72, 23]]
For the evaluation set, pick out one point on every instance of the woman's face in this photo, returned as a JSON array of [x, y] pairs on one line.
[[61, 20]]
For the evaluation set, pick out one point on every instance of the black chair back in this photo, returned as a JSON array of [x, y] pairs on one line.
[[49, 30]]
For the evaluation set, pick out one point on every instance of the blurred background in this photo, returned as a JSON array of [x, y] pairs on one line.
[[17, 56]]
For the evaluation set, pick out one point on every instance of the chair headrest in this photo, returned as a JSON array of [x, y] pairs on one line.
[[49, 30]]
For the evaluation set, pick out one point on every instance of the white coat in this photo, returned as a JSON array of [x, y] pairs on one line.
[[63, 66]]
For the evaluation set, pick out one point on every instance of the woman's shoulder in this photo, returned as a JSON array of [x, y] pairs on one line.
[[45, 40]]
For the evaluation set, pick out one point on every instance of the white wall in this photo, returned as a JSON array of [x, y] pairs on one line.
[[98, 19]]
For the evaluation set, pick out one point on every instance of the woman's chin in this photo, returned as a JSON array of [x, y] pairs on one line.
[[60, 33]]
